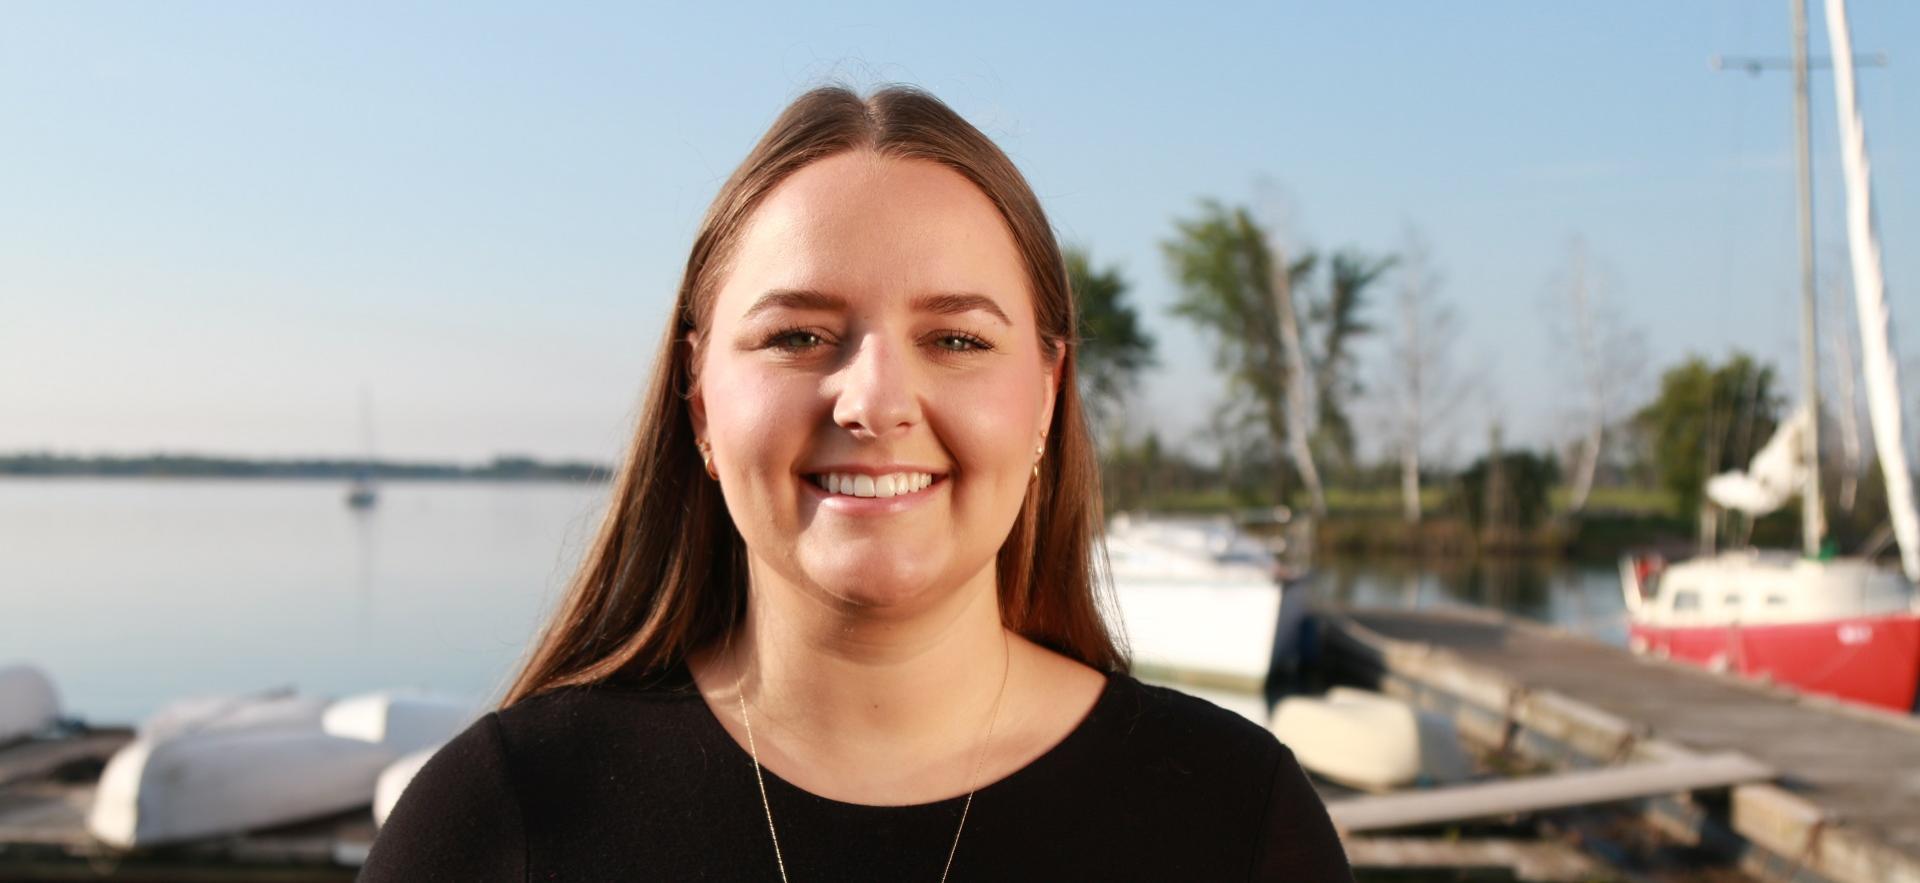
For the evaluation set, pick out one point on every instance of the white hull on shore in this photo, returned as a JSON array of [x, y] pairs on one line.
[[224, 765]]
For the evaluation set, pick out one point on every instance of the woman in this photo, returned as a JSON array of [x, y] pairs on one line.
[[840, 623]]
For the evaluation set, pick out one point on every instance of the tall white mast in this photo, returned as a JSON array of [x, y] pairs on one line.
[[1870, 301], [1813, 527]]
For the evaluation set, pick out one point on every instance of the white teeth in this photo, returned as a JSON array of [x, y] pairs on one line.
[[881, 487]]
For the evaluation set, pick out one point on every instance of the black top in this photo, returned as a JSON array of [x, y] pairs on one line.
[[633, 780]]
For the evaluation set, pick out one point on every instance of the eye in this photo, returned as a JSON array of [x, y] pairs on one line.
[[960, 342], [794, 339]]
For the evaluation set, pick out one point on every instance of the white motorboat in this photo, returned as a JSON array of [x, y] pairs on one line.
[[1199, 601], [1370, 741], [213, 766], [28, 702]]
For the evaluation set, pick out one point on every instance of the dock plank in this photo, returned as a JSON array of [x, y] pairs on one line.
[[39, 758], [1544, 861], [1860, 767], [1481, 800]]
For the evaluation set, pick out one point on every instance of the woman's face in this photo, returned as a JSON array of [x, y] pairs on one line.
[[872, 382]]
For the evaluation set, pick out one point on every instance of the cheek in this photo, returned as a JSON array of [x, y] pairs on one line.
[[992, 423], [753, 416]]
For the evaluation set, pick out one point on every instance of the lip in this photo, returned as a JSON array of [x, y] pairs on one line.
[[867, 469], [867, 506]]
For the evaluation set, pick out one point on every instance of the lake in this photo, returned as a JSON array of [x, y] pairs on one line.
[[132, 592]]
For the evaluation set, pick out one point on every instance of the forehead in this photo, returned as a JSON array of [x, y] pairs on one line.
[[866, 227]]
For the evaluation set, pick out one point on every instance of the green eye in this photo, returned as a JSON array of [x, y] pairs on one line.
[[796, 340], [959, 343]]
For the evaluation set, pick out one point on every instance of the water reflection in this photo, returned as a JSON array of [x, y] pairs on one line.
[[1580, 597], [133, 592]]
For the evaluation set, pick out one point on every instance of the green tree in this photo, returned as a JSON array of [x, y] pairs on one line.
[[1114, 349], [1508, 491], [1707, 420], [1223, 265], [1339, 317]]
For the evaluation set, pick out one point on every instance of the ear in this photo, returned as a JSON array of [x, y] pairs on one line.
[[696, 395], [1051, 395]]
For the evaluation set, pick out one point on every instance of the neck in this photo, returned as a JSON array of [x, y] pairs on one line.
[[824, 677]]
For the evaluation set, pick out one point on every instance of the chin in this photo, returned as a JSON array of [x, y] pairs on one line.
[[881, 582]]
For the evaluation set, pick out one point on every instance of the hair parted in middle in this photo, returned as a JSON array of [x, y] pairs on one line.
[[666, 574]]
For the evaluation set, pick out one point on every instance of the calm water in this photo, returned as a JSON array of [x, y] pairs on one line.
[[1583, 598], [133, 592]]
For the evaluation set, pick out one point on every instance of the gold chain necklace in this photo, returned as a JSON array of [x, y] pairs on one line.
[[1006, 663]]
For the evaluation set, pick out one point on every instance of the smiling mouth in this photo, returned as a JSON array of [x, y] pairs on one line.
[[874, 486]]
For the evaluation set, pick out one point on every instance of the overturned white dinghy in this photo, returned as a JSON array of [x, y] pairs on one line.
[[400, 721], [28, 703], [417, 729], [223, 765], [1370, 741]]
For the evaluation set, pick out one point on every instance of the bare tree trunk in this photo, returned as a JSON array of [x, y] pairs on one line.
[[1424, 391], [1298, 407], [1494, 495], [1411, 393], [1410, 481], [1593, 378]]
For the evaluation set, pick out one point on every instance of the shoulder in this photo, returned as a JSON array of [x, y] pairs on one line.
[[559, 764], [621, 721], [1184, 750], [458, 819], [1289, 833], [1164, 720], [1213, 776]]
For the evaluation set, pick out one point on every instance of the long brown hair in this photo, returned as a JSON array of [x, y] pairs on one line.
[[667, 572]]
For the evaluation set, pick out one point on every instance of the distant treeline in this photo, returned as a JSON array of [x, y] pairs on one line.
[[504, 468]]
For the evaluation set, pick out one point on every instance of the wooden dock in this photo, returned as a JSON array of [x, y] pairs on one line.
[[1846, 807], [46, 788]]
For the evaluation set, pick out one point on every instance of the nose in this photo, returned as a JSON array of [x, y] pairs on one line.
[[877, 396]]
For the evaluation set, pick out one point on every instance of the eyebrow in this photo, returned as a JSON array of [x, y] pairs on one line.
[[943, 303]]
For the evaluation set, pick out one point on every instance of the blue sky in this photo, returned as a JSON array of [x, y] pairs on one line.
[[218, 220]]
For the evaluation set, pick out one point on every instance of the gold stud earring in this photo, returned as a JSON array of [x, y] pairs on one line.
[[706, 459]]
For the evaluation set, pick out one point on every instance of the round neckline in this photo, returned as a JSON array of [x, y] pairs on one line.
[[1109, 693]]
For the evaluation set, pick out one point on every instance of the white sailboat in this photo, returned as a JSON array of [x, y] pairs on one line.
[[1834, 625], [362, 495]]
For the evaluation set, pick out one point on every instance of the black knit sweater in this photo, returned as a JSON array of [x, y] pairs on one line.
[[636, 780]]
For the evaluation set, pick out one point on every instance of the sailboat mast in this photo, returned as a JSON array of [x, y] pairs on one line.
[[1881, 369], [366, 430], [1812, 516]]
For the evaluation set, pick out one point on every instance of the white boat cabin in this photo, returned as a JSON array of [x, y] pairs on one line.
[[1755, 587]]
